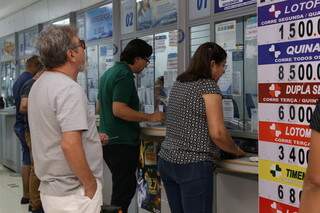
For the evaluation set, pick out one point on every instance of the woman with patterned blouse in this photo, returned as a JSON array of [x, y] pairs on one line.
[[195, 133]]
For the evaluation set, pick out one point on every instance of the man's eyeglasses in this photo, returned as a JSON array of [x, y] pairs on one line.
[[82, 44], [147, 60]]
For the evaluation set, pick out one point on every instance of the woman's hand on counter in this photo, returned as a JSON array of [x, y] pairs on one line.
[[104, 138], [240, 152]]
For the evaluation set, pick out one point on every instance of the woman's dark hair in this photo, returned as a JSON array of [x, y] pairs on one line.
[[200, 65], [135, 48]]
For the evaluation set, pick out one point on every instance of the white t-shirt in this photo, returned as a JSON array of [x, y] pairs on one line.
[[58, 104]]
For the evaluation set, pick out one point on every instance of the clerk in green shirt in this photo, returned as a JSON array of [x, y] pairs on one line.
[[120, 117]]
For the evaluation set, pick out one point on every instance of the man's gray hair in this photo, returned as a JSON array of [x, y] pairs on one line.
[[53, 44]]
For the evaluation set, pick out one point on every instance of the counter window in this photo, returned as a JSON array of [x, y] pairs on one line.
[[155, 82], [145, 81], [166, 65], [238, 85]]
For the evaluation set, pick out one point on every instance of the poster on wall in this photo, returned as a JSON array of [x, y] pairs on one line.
[[173, 38], [226, 34], [251, 29], [225, 83], [105, 58], [144, 14], [288, 60], [99, 22], [21, 44], [226, 5], [160, 43], [154, 13], [164, 12], [127, 16], [81, 26], [8, 48], [149, 191], [30, 41], [199, 8], [92, 73], [82, 80]]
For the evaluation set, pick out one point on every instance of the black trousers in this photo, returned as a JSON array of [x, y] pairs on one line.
[[122, 161]]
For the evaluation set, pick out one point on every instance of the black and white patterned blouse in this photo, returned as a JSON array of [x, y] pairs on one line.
[[187, 138], [315, 120]]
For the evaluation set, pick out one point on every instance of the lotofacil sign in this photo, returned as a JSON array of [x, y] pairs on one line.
[[288, 11]]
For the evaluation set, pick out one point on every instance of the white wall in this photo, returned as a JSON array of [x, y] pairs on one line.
[[40, 12]]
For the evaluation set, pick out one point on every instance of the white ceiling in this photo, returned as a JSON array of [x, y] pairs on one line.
[[8, 7]]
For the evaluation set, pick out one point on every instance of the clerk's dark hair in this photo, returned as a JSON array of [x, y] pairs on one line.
[[200, 65], [135, 48]]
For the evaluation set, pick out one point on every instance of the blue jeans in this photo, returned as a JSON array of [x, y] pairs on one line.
[[20, 132], [189, 187]]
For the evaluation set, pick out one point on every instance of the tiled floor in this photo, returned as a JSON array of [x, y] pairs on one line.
[[10, 192]]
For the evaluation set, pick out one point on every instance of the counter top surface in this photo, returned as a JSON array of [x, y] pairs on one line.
[[9, 111], [240, 165], [156, 131]]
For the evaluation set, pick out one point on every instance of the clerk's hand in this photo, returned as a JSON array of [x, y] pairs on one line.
[[157, 117], [104, 138], [90, 189]]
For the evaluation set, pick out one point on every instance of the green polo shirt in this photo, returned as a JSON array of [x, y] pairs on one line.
[[117, 85]]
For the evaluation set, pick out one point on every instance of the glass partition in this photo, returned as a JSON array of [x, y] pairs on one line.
[[229, 35], [166, 65], [250, 77], [155, 82], [8, 73], [7, 79], [238, 85], [145, 81]]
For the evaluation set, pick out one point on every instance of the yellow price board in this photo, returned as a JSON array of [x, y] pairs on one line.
[[282, 173]]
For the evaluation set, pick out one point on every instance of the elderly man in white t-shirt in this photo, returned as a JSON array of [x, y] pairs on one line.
[[66, 146]]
